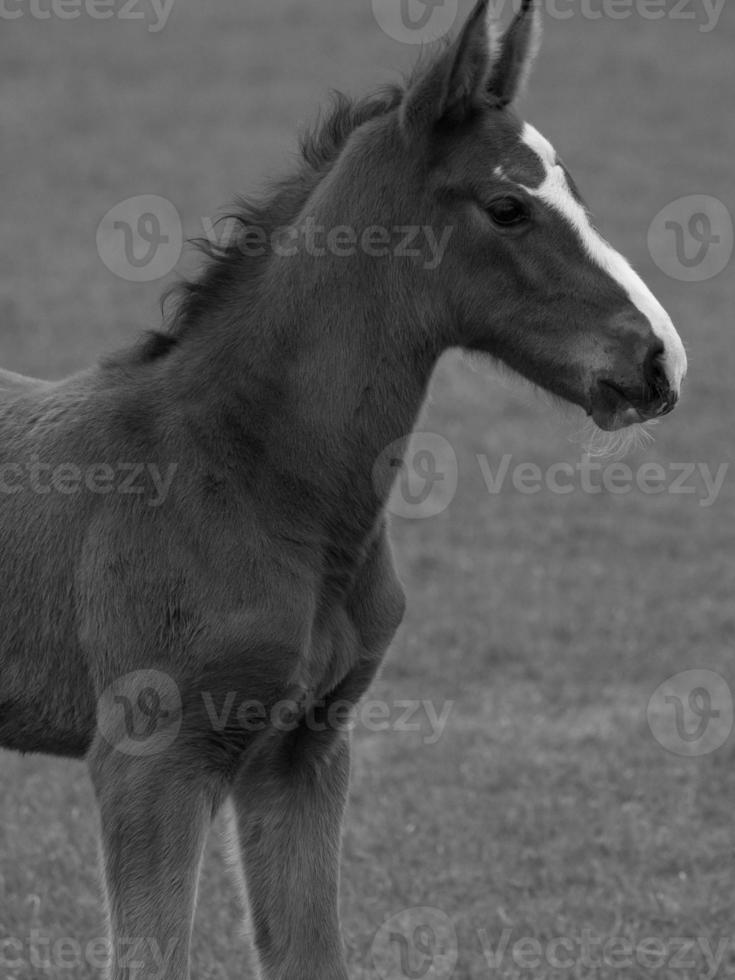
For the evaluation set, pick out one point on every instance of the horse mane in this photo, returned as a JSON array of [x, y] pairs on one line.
[[227, 267]]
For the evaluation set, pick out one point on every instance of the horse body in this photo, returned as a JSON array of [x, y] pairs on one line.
[[46, 698], [198, 580], [103, 583], [249, 602]]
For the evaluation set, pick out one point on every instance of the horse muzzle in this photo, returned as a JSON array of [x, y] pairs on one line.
[[638, 390], [612, 408]]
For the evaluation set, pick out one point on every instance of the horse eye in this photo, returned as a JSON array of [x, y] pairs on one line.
[[507, 211]]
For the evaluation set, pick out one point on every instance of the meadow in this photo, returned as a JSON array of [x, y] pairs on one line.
[[545, 809]]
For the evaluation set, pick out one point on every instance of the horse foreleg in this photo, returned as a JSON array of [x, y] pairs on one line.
[[288, 808], [155, 814]]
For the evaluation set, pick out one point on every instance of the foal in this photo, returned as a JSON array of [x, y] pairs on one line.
[[202, 646]]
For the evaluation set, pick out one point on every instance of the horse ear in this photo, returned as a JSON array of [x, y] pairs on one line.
[[518, 49], [457, 80]]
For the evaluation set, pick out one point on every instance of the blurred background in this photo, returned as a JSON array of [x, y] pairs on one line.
[[564, 795]]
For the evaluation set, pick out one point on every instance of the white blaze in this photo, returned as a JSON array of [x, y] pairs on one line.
[[555, 192]]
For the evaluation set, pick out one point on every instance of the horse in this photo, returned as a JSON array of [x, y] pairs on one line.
[[203, 647]]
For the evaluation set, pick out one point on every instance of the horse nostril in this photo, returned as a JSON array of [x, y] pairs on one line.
[[668, 405], [655, 370]]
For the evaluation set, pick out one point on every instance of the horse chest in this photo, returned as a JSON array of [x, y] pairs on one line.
[[355, 629]]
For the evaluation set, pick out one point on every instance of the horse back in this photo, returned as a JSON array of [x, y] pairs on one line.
[[20, 384]]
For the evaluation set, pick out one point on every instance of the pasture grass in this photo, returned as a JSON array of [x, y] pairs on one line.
[[546, 807]]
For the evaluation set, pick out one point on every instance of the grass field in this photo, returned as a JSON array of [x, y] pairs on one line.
[[546, 808]]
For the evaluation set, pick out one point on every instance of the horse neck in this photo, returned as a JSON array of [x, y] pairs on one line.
[[328, 384]]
